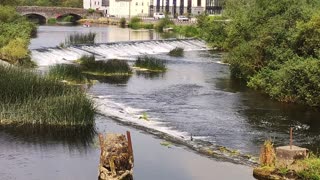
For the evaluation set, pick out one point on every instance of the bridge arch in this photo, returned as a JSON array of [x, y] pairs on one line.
[[36, 18], [71, 17]]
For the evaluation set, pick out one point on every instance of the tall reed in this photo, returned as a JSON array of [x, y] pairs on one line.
[[68, 72], [110, 67], [80, 38], [150, 63], [29, 99]]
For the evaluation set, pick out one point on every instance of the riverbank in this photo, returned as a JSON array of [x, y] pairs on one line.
[[21, 159]]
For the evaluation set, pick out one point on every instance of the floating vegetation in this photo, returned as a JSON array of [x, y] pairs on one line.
[[176, 52], [150, 64], [67, 72], [144, 116], [166, 143], [105, 68], [80, 38], [30, 99]]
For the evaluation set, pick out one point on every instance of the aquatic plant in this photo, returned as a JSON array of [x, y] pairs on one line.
[[150, 63], [27, 98], [110, 67], [68, 72], [176, 52], [267, 154], [80, 38]]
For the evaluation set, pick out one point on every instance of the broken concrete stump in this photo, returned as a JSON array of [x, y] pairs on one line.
[[286, 155], [116, 159]]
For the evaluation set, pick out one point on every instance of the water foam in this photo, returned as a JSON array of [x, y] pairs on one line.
[[106, 106], [115, 50]]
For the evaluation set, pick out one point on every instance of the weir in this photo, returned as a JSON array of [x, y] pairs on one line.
[[114, 50]]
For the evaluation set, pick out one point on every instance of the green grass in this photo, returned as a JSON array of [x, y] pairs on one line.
[[52, 21], [27, 98], [151, 64], [67, 72], [311, 168], [110, 67], [80, 38], [176, 52]]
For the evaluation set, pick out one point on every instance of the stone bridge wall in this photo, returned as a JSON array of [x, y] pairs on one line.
[[54, 12]]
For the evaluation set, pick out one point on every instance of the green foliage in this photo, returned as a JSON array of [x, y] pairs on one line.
[[187, 30], [29, 99], [213, 30], [137, 23], [163, 23], [176, 52], [150, 63], [52, 21], [63, 3], [90, 10], [79, 38], [68, 18], [273, 45], [123, 22], [68, 72], [311, 168], [15, 32], [110, 67]]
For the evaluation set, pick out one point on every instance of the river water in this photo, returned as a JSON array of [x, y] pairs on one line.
[[195, 97]]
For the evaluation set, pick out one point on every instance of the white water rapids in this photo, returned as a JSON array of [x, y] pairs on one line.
[[118, 50]]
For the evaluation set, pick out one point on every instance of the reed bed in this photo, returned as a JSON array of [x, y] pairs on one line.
[[150, 63], [110, 67], [80, 38], [67, 72], [29, 99], [176, 52]]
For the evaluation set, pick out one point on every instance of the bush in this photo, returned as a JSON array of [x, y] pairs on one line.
[[52, 21], [163, 23], [123, 22], [176, 52], [150, 63]]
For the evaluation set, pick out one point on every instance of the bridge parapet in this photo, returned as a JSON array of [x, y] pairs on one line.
[[54, 12]]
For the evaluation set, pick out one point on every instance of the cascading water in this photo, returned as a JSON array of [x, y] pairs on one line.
[[119, 50]]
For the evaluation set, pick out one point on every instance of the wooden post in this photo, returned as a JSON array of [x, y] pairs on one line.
[[291, 138], [130, 144]]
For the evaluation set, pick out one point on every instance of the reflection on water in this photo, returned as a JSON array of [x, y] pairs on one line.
[[110, 79], [45, 37], [150, 75], [74, 138]]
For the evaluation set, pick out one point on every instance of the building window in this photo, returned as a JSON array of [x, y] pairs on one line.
[[136, 3], [142, 4], [199, 2]]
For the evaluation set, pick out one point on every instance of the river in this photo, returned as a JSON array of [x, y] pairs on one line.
[[195, 97]]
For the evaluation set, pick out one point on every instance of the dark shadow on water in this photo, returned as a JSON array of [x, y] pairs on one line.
[[110, 79], [75, 138], [150, 75]]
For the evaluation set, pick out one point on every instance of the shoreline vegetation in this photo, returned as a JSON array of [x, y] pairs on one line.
[[272, 167], [15, 34]]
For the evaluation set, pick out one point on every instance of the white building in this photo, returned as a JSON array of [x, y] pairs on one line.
[[130, 8], [124, 8], [96, 4]]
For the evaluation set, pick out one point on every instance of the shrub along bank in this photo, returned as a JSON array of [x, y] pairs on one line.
[[272, 45], [15, 33]]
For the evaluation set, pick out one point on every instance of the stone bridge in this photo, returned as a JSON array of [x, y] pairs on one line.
[[45, 13]]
